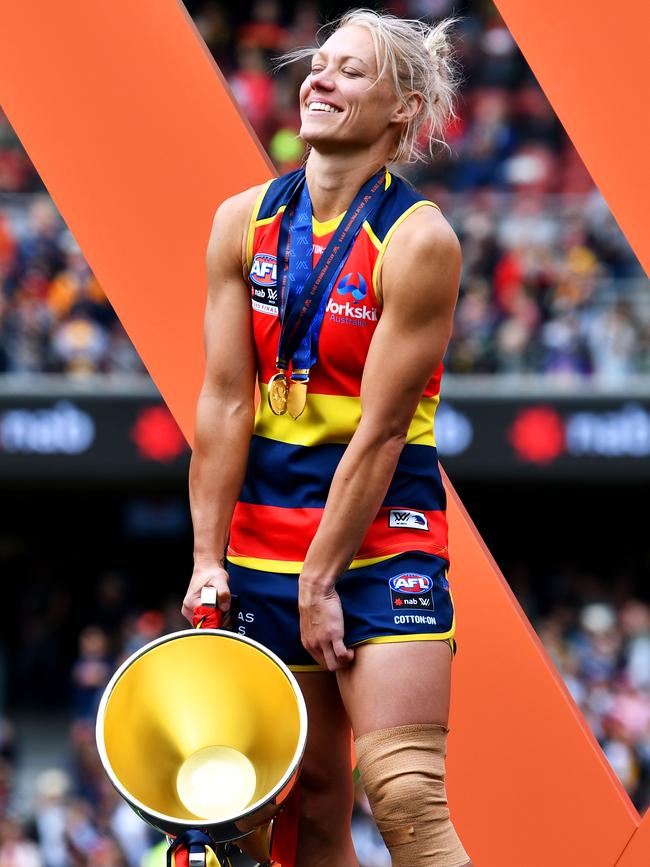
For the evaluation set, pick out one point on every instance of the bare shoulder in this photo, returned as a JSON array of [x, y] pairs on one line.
[[230, 227], [424, 251], [240, 206], [424, 234]]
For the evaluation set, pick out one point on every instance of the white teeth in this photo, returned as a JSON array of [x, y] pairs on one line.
[[322, 106]]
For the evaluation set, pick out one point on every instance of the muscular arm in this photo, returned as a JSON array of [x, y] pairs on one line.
[[420, 278], [225, 408]]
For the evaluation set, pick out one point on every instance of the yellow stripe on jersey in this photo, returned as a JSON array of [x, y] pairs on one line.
[[375, 240], [330, 418], [399, 639], [389, 235], [266, 220], [252, 224], [294, 567], [326, 227]]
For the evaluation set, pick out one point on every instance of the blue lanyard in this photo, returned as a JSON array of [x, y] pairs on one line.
[[304, 291]]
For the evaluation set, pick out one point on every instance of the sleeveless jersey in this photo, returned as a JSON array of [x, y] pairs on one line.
[[292, 461]]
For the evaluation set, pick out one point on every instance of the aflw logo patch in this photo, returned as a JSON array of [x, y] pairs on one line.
[[265, 270], [408, 518]]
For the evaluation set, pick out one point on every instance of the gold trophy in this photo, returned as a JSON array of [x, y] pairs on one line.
[[204, 729]]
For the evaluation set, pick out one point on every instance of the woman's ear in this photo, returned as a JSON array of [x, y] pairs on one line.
[[409, 109]]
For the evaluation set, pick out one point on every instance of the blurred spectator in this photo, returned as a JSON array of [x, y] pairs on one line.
[[90, 673], [264, 30], [253, 89], [213, 24], [52, 792], [26, 325], [614, 337], [79, 344], [635, 625], [138, 631], [15, 849]]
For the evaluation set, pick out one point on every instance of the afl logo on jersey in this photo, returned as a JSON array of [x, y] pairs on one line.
[[264, 271], [411, 582]]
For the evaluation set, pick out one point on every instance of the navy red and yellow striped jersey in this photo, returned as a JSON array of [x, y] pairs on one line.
[[292, 461]]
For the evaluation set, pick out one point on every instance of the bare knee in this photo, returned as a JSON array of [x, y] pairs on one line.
[[326, 791], [325, 803]]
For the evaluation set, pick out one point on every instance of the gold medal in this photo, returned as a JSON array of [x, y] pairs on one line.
[[278, 393], [297, 398], [297, 395]]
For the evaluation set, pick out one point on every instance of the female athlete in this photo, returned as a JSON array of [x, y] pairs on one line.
[[333, 287]]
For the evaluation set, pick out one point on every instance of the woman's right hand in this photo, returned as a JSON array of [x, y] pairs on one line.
[[206, 574]]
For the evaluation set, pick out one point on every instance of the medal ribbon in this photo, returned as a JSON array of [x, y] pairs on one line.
[[303, 291]]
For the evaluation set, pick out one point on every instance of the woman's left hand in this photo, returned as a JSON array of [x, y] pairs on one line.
[[321, 626]]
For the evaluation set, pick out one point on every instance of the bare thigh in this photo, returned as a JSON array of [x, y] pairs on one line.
[[326, 786], [398, 683]]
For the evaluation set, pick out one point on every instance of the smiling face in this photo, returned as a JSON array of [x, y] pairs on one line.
[[340, 108]]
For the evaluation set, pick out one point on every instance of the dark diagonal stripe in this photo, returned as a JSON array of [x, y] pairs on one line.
[[294, 477]]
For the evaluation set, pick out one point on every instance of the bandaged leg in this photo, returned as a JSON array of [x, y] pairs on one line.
[[403, 772]]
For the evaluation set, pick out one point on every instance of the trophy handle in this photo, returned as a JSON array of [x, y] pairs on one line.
[[207, 615]]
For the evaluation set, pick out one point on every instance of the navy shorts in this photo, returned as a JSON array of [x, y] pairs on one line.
[[405, 598]]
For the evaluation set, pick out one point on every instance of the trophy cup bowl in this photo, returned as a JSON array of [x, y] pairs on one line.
[[203, 729]]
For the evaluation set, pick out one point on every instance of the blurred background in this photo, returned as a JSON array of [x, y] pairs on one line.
[[544, 429]]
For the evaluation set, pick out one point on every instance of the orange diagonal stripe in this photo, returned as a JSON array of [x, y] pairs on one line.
[[593, 66], [127, 121], [637, 852]]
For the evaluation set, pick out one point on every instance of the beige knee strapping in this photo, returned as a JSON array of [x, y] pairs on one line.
[[403, 772]]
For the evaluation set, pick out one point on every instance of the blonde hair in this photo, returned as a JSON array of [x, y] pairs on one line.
[[418, 58]]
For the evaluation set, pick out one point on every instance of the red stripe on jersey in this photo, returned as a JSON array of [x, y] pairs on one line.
[[275, 533]]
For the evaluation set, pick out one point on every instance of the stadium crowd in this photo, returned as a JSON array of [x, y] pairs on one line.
[[599, 641], [549, 283]]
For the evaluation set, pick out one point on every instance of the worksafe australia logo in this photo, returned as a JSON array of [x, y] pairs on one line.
[[354, 289]]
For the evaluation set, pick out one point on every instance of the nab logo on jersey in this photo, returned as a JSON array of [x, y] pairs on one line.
[[265, 270], [356, 288], [411, 590]]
